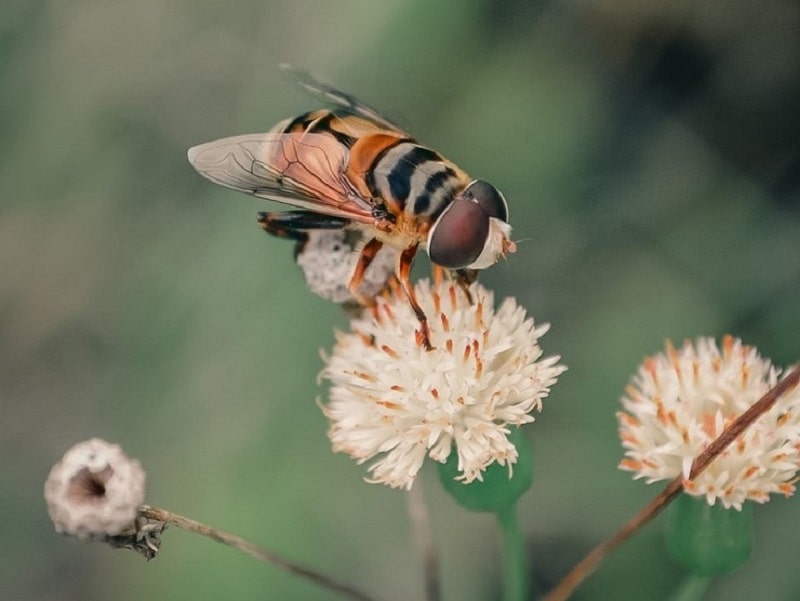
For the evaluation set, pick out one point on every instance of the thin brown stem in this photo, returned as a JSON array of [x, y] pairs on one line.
[[588, 564], [162, 515]]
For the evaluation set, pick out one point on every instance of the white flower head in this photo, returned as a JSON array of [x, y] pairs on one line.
[[392, 399], [327, 259], [681, 400]]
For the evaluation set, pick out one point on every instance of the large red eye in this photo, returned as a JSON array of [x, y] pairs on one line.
[[489, 197], [459, 235]]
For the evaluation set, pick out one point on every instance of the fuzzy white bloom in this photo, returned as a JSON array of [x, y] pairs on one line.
[[681, 400], [94, 490], [392, 399], [327, 259]]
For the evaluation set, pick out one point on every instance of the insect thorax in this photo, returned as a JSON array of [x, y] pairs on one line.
[[415, 180]]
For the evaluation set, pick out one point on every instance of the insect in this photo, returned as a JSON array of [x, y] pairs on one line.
[[350, 168]]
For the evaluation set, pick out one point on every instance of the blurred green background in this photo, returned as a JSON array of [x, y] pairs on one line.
[[650, 152]]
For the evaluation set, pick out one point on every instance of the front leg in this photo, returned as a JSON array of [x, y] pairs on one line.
[[366, 256], [465, 277], [404, 275]]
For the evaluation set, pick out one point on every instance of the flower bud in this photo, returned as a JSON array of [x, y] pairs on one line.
[[500, 487], [706, 539]]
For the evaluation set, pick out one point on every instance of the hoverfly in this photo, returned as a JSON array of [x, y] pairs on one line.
[[350, 168]]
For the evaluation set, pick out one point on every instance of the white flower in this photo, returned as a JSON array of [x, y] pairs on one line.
[[681, 400], [327, 259], [94, 490], [392, 399]]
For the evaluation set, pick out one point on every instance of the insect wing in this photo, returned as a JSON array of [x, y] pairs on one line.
[[305, 170], [331, 95]]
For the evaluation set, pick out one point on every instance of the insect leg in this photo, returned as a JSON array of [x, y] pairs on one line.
[[465, 277], [292, 224], [404, 275], [366, 256]]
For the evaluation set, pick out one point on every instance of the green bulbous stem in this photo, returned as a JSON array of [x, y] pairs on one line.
[[496, 491], [706, 539], [499, 494]]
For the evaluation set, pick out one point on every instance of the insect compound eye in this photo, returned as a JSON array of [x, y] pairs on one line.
[[459, 235], [489, 197]]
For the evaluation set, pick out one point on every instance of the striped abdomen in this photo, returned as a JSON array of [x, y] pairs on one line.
[[387, 166]]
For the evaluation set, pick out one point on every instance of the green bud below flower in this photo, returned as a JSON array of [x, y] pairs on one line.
[[499, 489], [706, 539]]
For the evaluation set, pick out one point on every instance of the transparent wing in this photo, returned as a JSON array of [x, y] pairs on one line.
[[304, 170], [328, 93]]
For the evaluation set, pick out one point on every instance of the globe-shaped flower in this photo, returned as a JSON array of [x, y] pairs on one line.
[[681, 400], [327, 259], [393, 400]]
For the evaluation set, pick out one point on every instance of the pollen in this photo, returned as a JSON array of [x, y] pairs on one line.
[[364, 376], [375, 312], [390, 351], [750, 472], [479, 325], [630, 464], [367, 339]]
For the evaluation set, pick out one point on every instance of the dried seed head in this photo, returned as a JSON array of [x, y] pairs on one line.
[[94, 490]]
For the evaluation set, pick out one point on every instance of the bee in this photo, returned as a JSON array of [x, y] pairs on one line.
[[350, 168]]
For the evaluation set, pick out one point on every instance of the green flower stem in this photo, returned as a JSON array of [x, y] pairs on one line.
[[516, 564], [423, 535], [693, 588], [498, 493]]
